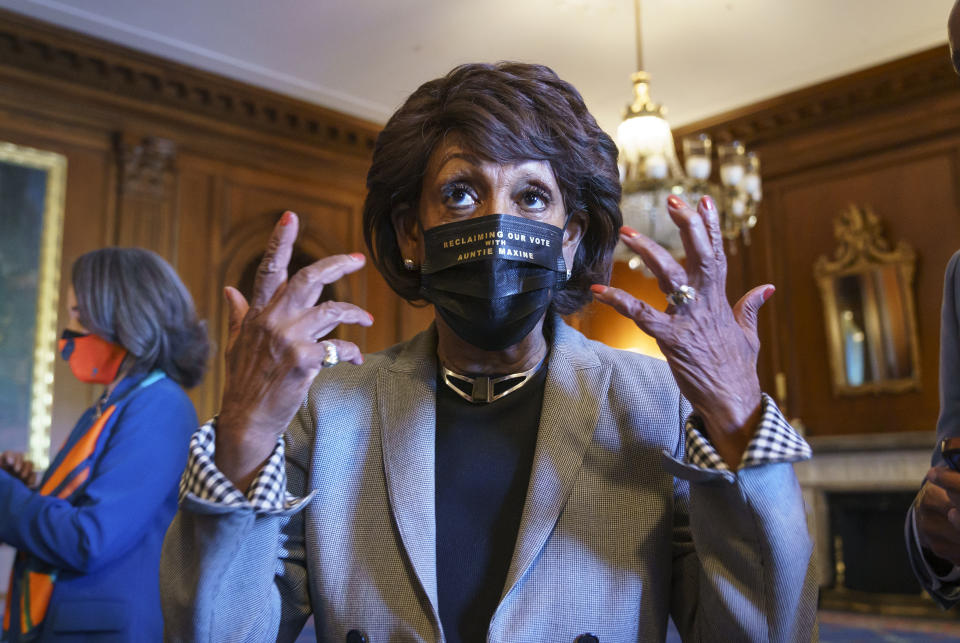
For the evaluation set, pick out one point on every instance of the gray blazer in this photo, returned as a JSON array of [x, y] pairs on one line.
[[614, 536]]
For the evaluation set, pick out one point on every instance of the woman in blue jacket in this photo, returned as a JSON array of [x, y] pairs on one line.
[[88, 538]]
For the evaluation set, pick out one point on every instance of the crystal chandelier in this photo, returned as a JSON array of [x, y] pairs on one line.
[[650, 172]]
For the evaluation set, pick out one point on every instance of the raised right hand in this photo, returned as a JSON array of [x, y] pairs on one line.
[[938, 514], [272, 352]]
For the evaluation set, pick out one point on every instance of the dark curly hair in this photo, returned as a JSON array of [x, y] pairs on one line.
[[504, 113], [132, 297]]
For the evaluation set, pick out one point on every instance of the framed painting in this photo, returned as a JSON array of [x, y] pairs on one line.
[[32, 191]]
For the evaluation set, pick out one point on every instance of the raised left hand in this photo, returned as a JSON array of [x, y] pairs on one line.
[[17, 465], [711, 348]]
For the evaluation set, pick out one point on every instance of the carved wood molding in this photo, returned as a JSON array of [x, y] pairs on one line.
[[901, 82], [146, 212], [58, 54], [860, 244], [146, 166]]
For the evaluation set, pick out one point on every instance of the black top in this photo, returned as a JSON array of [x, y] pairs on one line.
[[484, 455]]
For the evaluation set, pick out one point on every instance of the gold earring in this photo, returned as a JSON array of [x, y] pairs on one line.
[[409, 264]]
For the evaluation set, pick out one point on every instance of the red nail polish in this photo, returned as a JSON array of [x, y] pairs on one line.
[[768, 293], [598, 288], [287, 218], [708, 201], [674, 201], [370, 316], [358, 256], [628, 231]]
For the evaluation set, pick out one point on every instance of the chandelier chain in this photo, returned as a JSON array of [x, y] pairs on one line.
[[639, 34]]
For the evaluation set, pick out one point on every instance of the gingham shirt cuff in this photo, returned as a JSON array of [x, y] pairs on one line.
[[774, 441], [201, 478]]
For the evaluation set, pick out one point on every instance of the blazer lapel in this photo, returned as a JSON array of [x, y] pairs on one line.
[[406, 392], [574, 386]]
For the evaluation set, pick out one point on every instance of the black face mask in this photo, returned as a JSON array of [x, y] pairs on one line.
[[492, 278]]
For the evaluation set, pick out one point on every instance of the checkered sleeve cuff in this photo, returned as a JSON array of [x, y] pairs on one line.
[[774, 441], [201, 478]]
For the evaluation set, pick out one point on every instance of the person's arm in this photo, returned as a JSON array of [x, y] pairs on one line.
[[233, 564], [234, 568], [927, 526], [938, 576], [948, 422], [743, 566], [137, 471]]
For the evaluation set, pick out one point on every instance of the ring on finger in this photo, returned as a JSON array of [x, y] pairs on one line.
[[330, 355], [682, 295]]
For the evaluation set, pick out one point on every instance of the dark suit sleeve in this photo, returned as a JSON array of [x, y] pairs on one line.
[[136, 473], [948, 425]]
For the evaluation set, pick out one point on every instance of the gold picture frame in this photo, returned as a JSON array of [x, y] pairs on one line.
[[32, 195], [868, 305]]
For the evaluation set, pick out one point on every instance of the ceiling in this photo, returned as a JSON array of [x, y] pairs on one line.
[[363, 57]]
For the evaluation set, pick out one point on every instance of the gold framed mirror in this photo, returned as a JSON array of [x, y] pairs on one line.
[[32, 191], [868, 306]]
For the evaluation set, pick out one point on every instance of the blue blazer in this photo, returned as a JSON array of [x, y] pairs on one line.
[[106, 541]]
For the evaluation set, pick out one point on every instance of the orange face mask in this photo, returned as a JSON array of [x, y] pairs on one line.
[[92, 358]]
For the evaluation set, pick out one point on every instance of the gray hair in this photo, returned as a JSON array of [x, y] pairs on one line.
[[132, 297]]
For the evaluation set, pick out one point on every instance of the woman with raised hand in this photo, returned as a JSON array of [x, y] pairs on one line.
[[88, 538], [498, 477]]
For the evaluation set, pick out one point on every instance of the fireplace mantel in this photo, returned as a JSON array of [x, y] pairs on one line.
[[863, 463], [868, 463]]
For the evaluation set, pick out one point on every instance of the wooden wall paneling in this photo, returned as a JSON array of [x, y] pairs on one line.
[[913, 190], [870, 134], [322, 218], [786, 352], [753, 269], [196, 201]]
